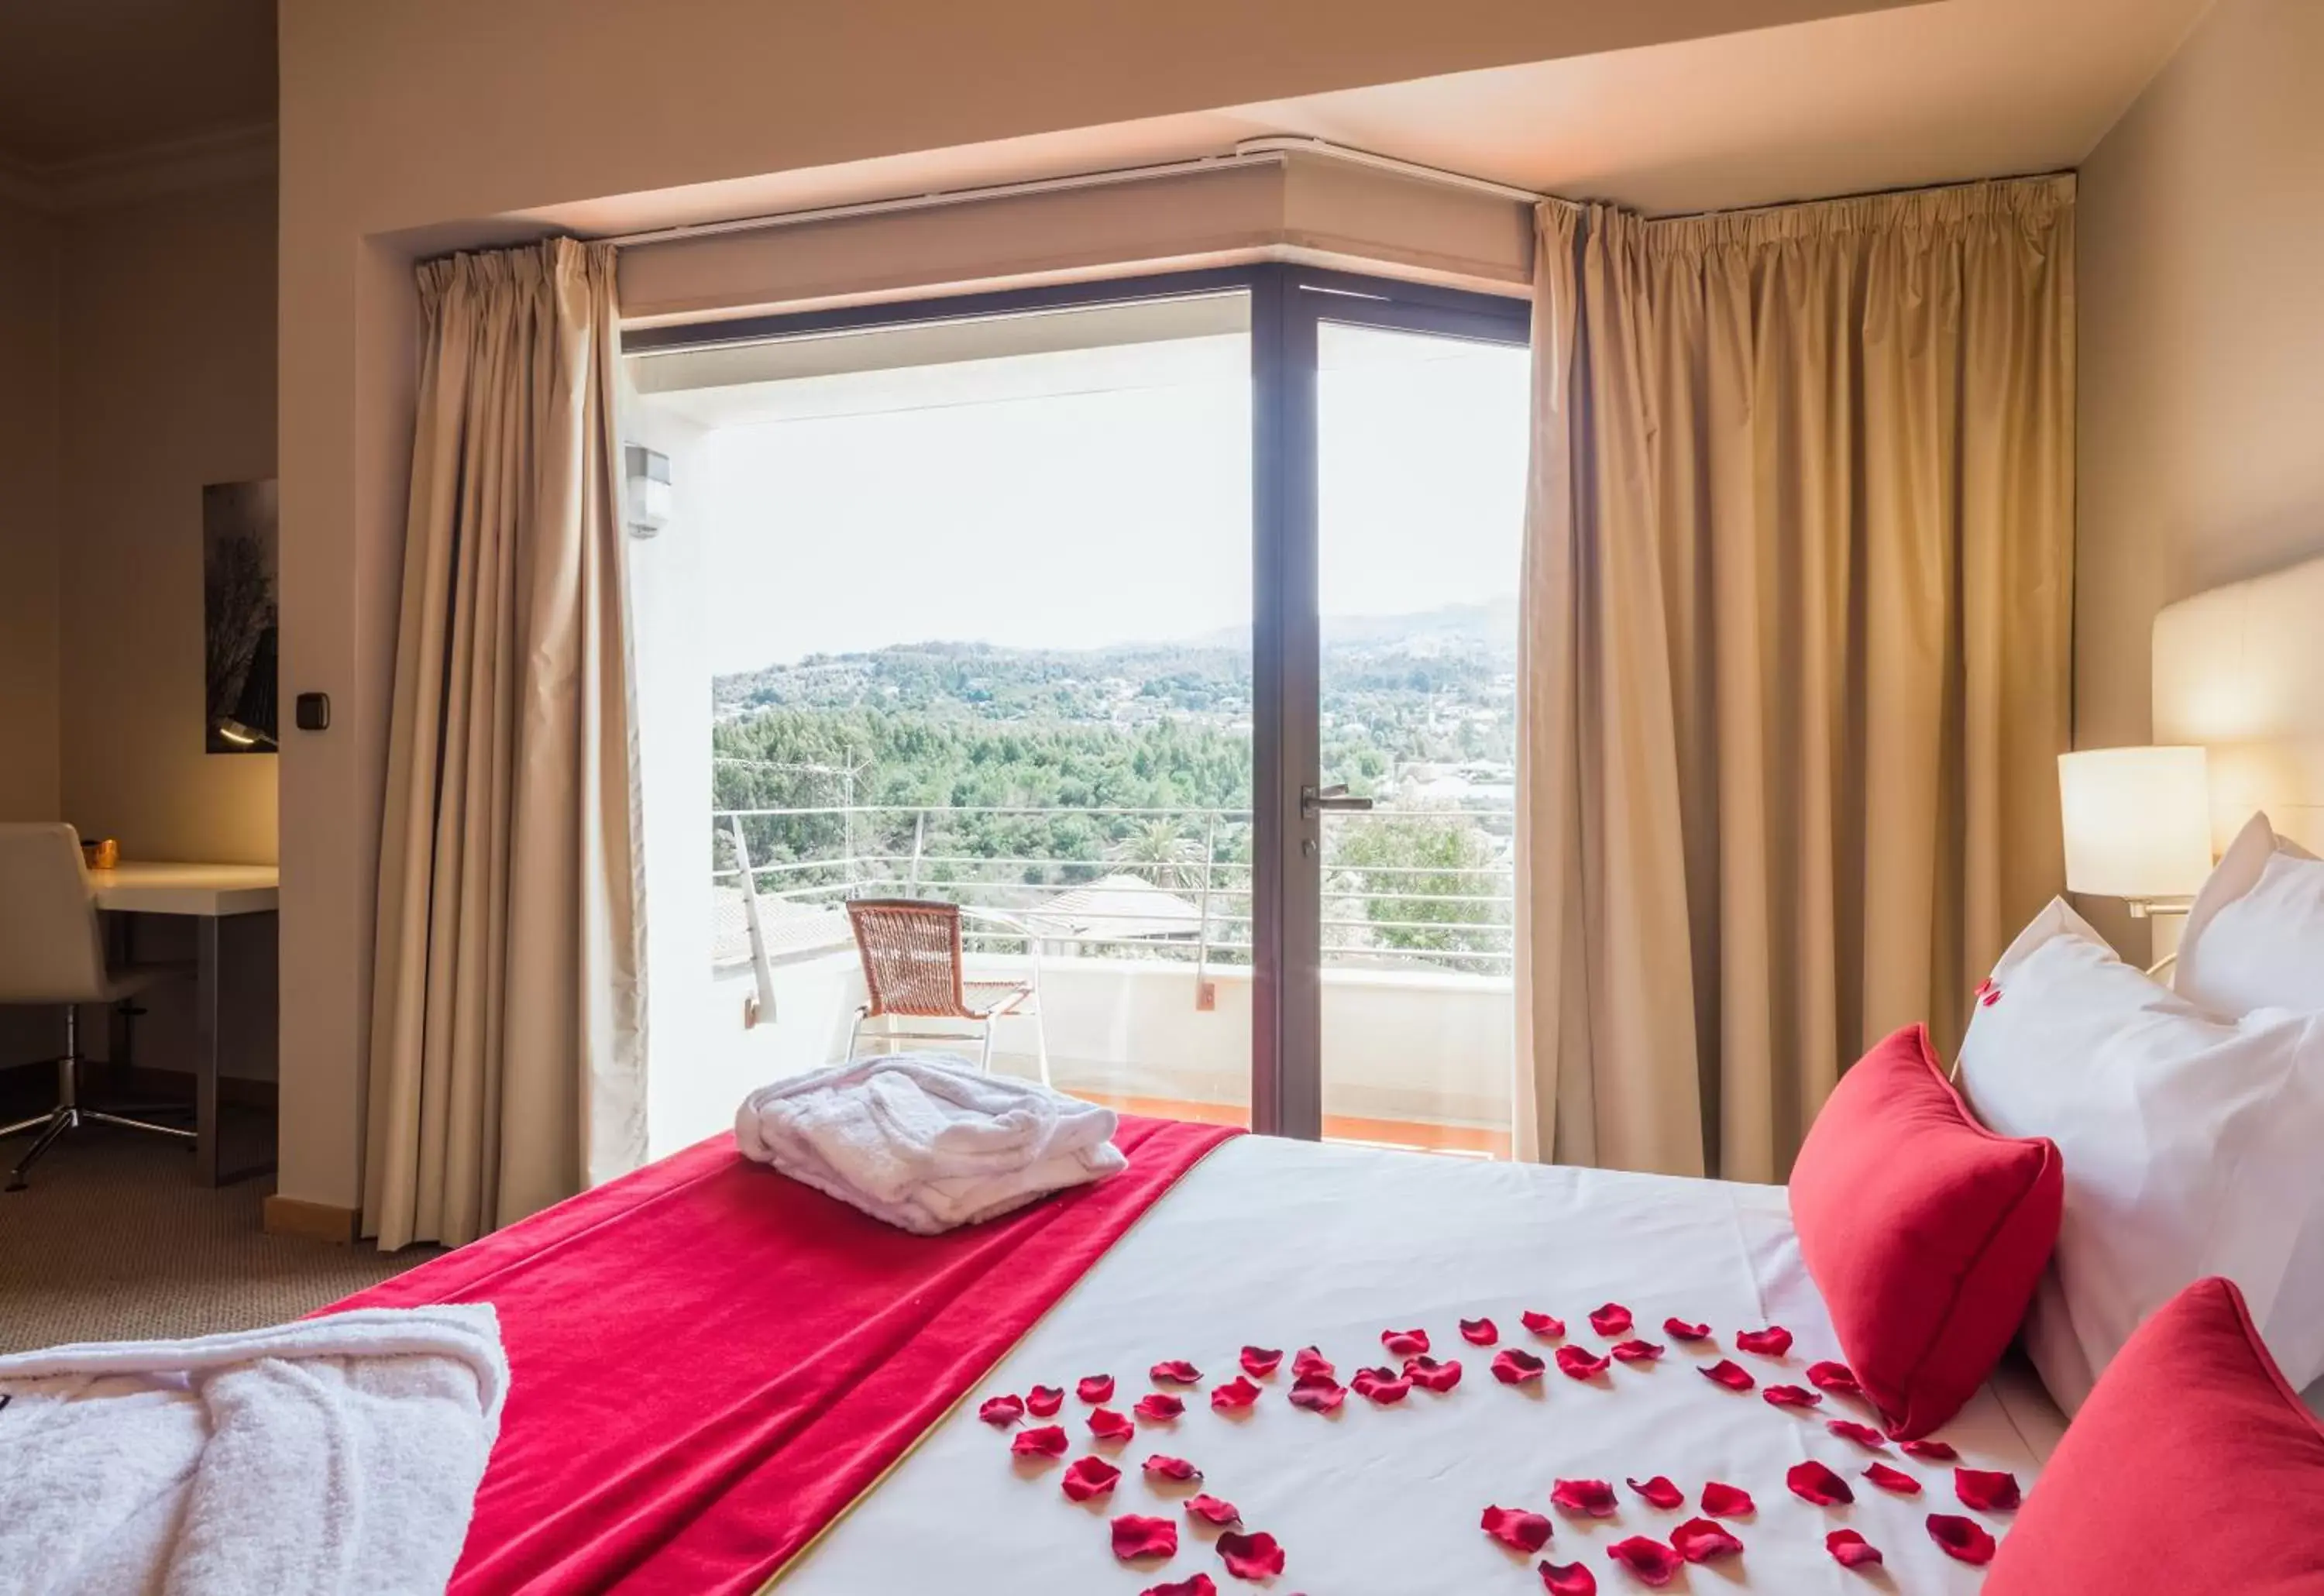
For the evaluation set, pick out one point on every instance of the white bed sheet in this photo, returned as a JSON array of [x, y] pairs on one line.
[[1286, 1243]]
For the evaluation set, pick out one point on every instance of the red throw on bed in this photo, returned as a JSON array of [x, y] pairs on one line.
[[709, 1362]]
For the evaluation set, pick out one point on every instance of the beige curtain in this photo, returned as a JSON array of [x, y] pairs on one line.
[[1796, 634], [506, 1040]]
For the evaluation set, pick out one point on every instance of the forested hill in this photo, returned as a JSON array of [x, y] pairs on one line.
[[1138, 724]]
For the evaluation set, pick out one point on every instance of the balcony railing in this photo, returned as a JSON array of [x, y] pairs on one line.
[[1428, 887]]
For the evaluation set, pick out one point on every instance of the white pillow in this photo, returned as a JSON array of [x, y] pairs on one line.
[[2255, 938], [2192, 1146]]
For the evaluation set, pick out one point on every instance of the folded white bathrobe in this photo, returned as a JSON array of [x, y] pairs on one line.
[[926, 1141], [323, 1458]]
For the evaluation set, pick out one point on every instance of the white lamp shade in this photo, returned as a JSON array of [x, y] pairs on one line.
[[2138, 821]]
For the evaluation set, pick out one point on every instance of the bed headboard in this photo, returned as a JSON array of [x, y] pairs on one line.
[[2240, 669]]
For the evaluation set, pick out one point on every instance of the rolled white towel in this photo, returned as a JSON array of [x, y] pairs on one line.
[[925, 1141]]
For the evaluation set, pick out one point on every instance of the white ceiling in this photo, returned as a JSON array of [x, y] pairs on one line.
[[81, 80], [1884, 99], [1932, 93]]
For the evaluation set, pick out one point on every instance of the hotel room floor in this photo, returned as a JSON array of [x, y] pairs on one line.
[[112, 1242]]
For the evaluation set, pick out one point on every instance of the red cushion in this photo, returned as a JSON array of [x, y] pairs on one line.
[[1924, 1230], [2192, 1467]]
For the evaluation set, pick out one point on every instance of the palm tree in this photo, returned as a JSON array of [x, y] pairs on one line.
[[1158, 851]]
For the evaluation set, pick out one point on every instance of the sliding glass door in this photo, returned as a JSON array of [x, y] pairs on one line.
[[1167, 629]]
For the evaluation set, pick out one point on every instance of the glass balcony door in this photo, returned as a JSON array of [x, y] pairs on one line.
[[1165, 628]]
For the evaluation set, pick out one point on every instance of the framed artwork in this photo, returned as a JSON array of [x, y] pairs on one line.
[[239, 545]]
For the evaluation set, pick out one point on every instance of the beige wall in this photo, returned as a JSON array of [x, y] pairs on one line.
[[2202, 344], [27, 515], [411, 126], [167, 384]]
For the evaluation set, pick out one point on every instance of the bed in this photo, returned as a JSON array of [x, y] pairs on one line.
[[1280, 1243], [1288, 1244]]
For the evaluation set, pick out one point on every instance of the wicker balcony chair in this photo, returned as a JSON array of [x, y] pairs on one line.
[[913, 971]]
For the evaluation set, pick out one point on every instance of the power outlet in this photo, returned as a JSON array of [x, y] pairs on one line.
[[1206, 997]]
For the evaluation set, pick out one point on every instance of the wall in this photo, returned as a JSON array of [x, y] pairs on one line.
[[417, 127], [2201, 429], [28, 529], [168, 383]]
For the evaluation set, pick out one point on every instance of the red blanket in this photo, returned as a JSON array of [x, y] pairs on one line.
[[710, 1361]]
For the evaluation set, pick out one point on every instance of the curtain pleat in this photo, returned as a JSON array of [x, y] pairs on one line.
[[1797, 628], [506, 1067]]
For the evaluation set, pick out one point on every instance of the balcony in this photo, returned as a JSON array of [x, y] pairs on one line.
[[1138, 921]]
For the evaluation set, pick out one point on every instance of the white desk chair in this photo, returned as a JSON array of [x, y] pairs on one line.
[[52, 953]]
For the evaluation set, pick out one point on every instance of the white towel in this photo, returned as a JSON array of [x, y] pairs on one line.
[[926, 1141], [332, 1456]]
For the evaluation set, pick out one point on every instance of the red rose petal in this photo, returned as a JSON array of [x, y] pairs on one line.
[[1048, 1440], [1636, 1351], [1201, 1584], [1964, 1540], [1136, 1535], [1094, 1389], [1516, 1528], [1178, 1372], [1698, 1540], [1790, 1396], [1380, 1386], [1088, 1478], [1405, 1344], [1162, 1466], [1848, 1429], [1042, 1401], [1308, 1362], [1576, 1363], [1237, 1392], [1258, 1362], [1251, 1556], [1892, 1480], [1317, 1393], [1680, 1330], [1002, 1411], [1811, 1481], [1650, 1562], [1933, 1452], [1567, 1579], [1850, 1550], [1834, 1377], [1211, 1510], [1721, 1500], [1610, 1320], [1546, 1327], [1771, 1343], [1156, 1408], [1660, 1492], [1480, 1332], [1728, 1373], [1109, 1425], [1513, 1366], [1430, 1375], [1987, 1491], [1592, 1498]]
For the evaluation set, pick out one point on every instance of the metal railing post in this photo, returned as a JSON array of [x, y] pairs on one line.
[[762, 1005]]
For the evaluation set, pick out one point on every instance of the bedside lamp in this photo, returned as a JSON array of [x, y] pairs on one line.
[[2138, 824]]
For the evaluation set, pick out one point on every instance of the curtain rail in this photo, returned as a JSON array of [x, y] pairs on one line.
[[1272, 151]]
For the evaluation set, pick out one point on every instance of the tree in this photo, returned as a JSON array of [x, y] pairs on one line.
[[1414, 876], [1158, 851]]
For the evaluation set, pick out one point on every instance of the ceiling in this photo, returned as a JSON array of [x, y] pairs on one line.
[[1923, 94], [83, 79], [1926, 94]]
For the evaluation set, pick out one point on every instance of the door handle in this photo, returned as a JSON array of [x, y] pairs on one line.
[[1335, 797]]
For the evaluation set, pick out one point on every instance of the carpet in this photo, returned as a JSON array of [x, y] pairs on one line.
[[113, 1242]]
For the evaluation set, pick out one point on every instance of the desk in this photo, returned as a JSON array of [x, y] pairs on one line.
[[207, 893]]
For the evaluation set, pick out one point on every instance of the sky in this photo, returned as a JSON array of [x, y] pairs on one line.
[[1085, 498]]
